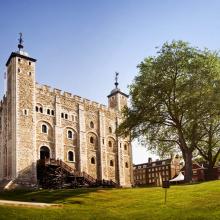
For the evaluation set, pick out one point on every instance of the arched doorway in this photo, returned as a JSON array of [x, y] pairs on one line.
[[44, 153]]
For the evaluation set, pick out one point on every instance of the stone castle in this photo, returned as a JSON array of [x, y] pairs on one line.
[[38, 122]]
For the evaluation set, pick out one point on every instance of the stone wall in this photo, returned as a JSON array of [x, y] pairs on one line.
[[26, 121], [94, 145]]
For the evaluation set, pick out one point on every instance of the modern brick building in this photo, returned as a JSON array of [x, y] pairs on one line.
[[154, 172]]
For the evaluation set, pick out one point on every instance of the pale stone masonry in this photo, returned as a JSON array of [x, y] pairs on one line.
[[38, 122]]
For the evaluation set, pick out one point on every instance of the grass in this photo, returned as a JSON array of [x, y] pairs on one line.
[[197, 202]]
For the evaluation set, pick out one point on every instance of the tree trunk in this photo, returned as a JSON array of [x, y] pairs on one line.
[[210, 171], [188, 166]]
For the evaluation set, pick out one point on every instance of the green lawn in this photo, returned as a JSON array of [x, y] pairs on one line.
[[200, 201]]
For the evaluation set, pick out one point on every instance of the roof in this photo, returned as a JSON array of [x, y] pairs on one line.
[[195, 166], [115, 91], [158, 163], [16, 54]]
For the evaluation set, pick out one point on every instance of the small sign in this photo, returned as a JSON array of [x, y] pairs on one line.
[[166, 184]]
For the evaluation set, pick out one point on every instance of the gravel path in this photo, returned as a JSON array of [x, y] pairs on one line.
[[29, 204]]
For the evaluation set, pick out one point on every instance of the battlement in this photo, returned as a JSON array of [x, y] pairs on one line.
[[62, 94], [3, 101]]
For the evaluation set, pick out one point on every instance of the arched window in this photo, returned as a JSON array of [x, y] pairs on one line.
[[44, 129], [52, 112], [110, 130], [111, 163], [126, 164], [71, 156], [41, 110], [93, 160], [91, 140], [62, 115], [66, 116], [125, 147], [110, 144], [91, 124], [48, 111], [70, 134], [37, 109]]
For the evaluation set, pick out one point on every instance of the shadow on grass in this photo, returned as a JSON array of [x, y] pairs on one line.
[[49, 196]]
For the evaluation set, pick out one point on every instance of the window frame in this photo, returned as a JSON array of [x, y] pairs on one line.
[[110, 145], [71, 161], [111, 163], [93, 140], [72, 135], [91, 125], [93, 160], [48, 111], [41, 110], [46, 126]]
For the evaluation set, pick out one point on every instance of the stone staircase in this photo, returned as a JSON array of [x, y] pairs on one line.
[[57, 174]]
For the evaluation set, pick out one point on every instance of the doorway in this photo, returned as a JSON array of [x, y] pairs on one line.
[[44, 153]]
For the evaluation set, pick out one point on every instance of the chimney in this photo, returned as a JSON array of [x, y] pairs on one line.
[[149, 160]]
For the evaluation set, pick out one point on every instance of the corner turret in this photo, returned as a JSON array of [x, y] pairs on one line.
[[117, 99]]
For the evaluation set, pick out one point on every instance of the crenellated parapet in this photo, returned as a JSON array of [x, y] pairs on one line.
[[49, 91]]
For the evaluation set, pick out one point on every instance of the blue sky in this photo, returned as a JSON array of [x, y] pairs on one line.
[[80, 44]]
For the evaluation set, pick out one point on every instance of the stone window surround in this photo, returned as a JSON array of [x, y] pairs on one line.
[[68, 116], [47, 128], [40, 108], [74, 118], [93, 160], [25, 112], [110, 130], [110, 144], [74, 158], [111, 163], [91, 140], [64, 116], [49, 111], [92, 125], [67, 133]]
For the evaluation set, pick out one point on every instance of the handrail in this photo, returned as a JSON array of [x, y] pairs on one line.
[[76, 173]]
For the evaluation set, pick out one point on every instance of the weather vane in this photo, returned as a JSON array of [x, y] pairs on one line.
[[20, 42], [116, 79]]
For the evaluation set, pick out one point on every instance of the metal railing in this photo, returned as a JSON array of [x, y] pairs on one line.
[[91, 180]]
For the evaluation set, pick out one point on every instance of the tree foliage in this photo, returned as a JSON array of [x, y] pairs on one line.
[[170, 98]]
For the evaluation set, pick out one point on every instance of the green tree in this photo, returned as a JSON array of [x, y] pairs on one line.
[[209, 144], [170, 97]]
